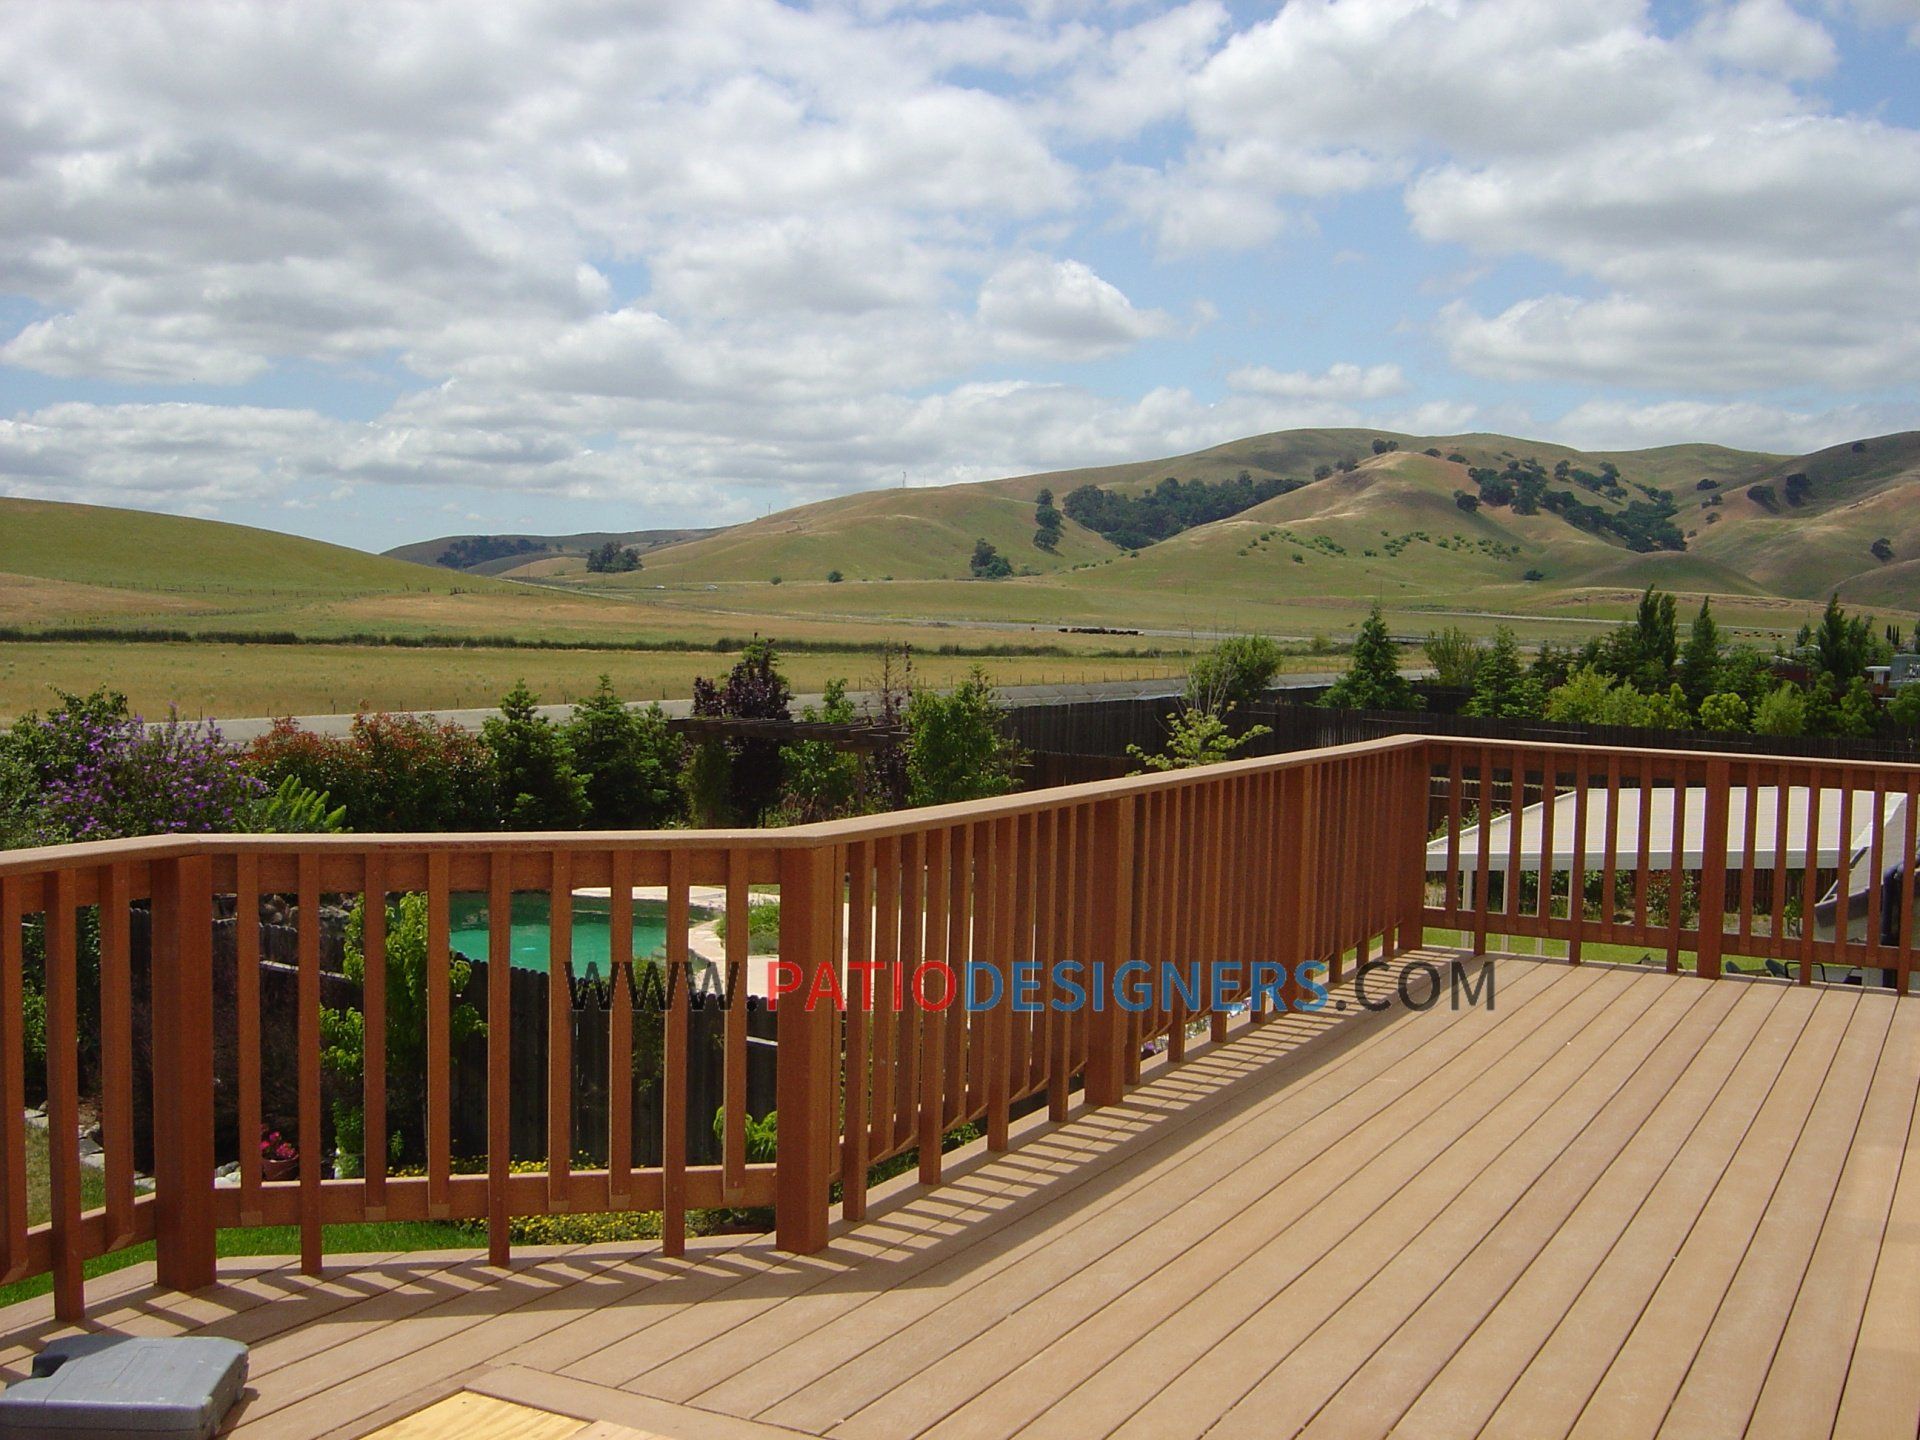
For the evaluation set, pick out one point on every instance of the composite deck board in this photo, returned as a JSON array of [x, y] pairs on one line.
[[1622, 1203]]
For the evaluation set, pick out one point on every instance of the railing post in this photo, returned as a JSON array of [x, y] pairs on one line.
[[1110, 945], [1713, 869], [182, 987], [808, 1059]]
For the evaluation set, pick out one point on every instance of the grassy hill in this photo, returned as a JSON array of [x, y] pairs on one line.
[[535, 555]]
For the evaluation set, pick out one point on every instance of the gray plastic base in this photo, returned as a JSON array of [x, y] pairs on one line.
[[108, 1387]]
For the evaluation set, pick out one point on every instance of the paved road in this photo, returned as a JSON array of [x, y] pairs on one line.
[[243, 730]]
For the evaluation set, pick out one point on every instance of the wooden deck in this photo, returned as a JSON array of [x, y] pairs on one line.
[[1620, 1204]]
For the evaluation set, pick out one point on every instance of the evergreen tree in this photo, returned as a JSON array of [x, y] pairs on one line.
[[1373, 680], [1502, 689], [754, 690], [1700, 660], [629, 760], [539, 787]]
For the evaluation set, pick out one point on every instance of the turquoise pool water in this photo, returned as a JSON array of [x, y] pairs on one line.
[[592, 933]]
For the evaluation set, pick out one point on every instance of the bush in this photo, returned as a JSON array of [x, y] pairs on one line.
[[763, 927], [1782, 712], [822, 781], [834, 577], [533, 766], [955, 747], [1724, 712], [137, 779], [391, 772], [629, 760], [1237, 671], [1455, 657], [754, 689], [1195, 736], [988, 563]]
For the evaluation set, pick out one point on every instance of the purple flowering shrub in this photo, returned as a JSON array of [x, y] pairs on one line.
[[130, 778]]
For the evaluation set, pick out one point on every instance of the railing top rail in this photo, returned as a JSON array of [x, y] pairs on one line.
[[1503, 745], [41, 859]]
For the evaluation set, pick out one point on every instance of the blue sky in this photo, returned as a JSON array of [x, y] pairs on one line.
[[380, 273]]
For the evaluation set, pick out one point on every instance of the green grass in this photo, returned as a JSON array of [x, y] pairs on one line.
[[396, 1235]]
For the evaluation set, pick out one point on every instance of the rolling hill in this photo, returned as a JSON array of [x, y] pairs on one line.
[[532, 555]]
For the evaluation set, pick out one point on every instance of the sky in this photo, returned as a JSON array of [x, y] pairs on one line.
[[376, 273]]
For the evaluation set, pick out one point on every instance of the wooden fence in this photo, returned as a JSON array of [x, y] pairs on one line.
[[1310, 856]]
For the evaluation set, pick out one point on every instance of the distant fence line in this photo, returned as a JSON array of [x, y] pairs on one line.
[[1087, 740]]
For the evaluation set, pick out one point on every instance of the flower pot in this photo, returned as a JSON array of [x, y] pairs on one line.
[[279, 1169]]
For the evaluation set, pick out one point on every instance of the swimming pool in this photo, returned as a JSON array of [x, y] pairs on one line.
[[592, 934]]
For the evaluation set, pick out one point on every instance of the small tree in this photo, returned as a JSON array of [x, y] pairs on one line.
[[539, 787], [988, 563], [613, 558], [754, 690], [956, 749], [1373, 680], [1047, 522], [822, 780], [1237, 671], [1455, 657], [1725, 712], [1501, 688], [1701, 659], [628, 759], [1782, 712], [1196, 735]]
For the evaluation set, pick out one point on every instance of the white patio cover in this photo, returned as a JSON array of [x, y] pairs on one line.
[[1626, 829]]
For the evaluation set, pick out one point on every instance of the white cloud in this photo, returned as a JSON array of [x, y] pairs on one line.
[[1061, 310], [1743, 425], [1765, 35], [1341, 381]]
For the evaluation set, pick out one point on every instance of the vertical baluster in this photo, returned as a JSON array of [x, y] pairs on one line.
[[620, 962], [312, 1155], [500, 1055], [1483, 867], [246, 990], [1003, 871], [734, 1142], [1046, 949], [1610, 850], [560, 1028], [1516, 825], [182, 893], [1677, 869], [980, 951], [673, 1081], [1782, 818], [934, 1024], [373, 1008], [1549, 841], [1843, 871], [959, 948], [1451, 892], [1140, 1021], [439, 1039], [1877, 867], [913, 858], [1810, 875], [854, 1148], [1020, 960], [1907, 839], [1066, 947], [13, 1088], [63, 1093], [1643, 862], [1750, 842], [1713, 869], [116, 1060], [882, 1020], [1577, 871]]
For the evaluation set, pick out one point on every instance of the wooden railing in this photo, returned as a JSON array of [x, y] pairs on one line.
[[1291, 860], [1701, 858]]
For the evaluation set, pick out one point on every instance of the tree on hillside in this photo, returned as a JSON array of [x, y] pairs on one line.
[[1047, 522], [538, 785], [987, 563], [1501, 687], [613, 558], [1373, 680]]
